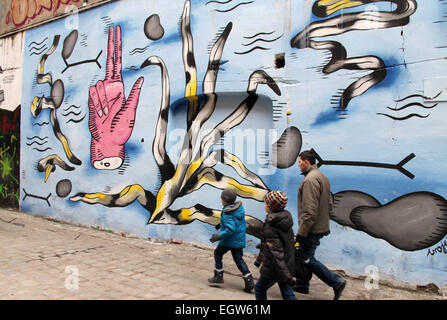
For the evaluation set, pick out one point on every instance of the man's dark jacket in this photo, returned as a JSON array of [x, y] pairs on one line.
[[278, 247]]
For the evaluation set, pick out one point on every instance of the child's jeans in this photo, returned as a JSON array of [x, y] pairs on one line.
[[237, 257], [264, 284]]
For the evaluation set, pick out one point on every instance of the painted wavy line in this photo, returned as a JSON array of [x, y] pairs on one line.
[[138, 50], [38, 53], [37, 49], [406, 117], [76, 121], [38, 43], [258, 34], [231, 9], [218, 2], [133, 68], [49, 148], [37, 137], [72, 112], [255, 48], [106, 18], [30, 144], [419, 96], [264, 40], [40, 124], [72, 106], [413, 104]]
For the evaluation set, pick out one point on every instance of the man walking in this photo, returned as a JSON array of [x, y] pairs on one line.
[[314, 205]]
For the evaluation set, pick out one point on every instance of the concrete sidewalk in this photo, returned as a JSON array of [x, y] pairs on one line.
[[45, 259]]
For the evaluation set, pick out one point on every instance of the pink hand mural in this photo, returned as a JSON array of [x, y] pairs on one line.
[[111, 116]]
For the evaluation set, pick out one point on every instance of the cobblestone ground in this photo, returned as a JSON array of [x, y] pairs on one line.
[[40, 259]]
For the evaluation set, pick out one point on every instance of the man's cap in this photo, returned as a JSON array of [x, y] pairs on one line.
[[276, 200]]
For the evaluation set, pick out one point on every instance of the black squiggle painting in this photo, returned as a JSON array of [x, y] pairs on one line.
[[366, 20]]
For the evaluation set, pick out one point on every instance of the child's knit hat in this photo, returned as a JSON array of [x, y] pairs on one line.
[[276, 200]]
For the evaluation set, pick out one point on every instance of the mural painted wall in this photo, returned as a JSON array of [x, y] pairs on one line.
[[136, 118]]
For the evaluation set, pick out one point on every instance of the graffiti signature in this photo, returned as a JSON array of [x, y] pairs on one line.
[[22, 10], [442, 248]]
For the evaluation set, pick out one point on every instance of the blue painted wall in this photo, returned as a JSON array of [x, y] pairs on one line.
[[397, 110]]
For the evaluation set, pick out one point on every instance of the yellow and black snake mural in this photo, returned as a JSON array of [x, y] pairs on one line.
[[142, 121]]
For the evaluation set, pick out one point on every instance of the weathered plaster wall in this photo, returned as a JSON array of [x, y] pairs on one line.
[[123, 116], [19, 15]]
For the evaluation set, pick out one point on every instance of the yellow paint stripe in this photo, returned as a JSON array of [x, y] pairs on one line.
[[162, 193], [48, 171], [327, 2], [343, 5], [160, 197], [124, 191], [243, 190], [132, 190], [193, 167], [185, 214], [236, 160], [34, 105], [95, 196], [191, 86], [41, 64], [66, 146], [334, 6], [174, 181], [247, 191]]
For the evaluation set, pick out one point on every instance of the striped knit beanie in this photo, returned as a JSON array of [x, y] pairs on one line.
[[276, 200]]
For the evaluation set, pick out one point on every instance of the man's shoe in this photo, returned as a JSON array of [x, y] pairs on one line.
[[303, 290], [339, 290]]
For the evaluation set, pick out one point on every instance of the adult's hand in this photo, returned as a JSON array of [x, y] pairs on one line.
[[111, 116], [299, 238]]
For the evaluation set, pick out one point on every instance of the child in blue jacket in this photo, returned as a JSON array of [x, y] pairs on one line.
[[231, 238]]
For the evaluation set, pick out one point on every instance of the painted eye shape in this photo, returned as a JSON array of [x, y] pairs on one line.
[[110, 163]]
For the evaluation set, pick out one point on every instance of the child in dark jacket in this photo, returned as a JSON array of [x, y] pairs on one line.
[[231, 238], [277, 248]]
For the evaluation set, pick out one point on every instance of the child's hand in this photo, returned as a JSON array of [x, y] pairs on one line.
[[214, 238], [291, 282]]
